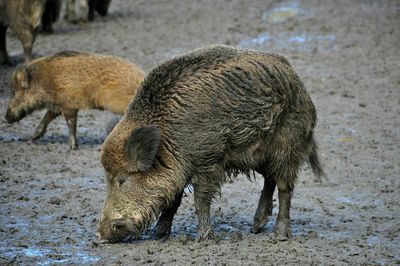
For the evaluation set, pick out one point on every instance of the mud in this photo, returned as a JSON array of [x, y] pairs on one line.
[[348, 55]]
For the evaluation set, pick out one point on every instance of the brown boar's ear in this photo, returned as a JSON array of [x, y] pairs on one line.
[[143, 145], [23, 76]]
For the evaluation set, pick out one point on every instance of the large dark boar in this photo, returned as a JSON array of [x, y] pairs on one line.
[[69, 81], [196, 119], [23, 17]]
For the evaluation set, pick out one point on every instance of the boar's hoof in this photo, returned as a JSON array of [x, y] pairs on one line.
[[73, 145], [162, 231], [282, 230], [39, 132], [205, 235], [259, 222]]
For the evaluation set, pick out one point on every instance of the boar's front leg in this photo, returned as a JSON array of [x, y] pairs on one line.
[[71, 116], [282, 226], [41, 128], [164, 224], [203, 195]]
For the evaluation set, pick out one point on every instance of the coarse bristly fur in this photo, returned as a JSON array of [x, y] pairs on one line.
[[220, 111], [70, 81]]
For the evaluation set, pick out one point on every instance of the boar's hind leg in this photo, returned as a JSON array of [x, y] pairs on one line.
[[282, 226], [41, 128], [71, 117], [265, 204], [164, 224]]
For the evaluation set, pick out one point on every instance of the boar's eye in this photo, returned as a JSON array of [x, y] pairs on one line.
[[121, 180]]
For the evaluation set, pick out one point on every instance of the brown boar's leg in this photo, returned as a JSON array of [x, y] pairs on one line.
[[4, 59], [202, 203], [71, 116], [164, 224], [265, 205], [41, 128], [282, 226]]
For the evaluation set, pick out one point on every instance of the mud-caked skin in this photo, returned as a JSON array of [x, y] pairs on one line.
[[66, 82], [23, 17], [197, 119]]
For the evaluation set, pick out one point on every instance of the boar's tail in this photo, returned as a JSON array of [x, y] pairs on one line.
[[314, 162]]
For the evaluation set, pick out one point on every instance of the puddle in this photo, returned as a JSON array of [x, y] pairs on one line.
[[347, 200], [46, 256], [260, 39], [306, 43], [282, 13]]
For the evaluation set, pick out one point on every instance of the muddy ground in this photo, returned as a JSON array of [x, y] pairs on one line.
[[348, 54]]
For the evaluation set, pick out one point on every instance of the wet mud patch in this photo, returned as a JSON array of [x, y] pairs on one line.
[[348, 56]]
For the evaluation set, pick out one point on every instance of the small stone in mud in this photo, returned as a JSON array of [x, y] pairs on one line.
[[23, 198], [183, 239], [55, 200], [363, 105]]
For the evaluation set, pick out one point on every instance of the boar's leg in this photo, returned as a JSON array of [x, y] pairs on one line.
[[265, 205], [27, 38], [4, 59], [71, 116], [164, 224], [282, 226], [41, 128], [202, 202], [84, 10], [70, 15], [92, 7]]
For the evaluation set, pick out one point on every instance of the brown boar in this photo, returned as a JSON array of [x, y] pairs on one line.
[[23, 17], [69, 81], [197, 119]]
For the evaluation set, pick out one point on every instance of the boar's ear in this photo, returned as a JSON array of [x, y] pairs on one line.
[[23, 76], [143, 145]]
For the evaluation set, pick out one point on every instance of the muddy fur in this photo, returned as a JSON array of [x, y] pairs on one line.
[[209, 114], [70, 81], [23, 17]]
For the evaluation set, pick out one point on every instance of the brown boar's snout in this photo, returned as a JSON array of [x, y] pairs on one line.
[[12, 117], [116, 230]]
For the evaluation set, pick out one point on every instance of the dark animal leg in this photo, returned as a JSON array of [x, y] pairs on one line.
[[282, 226], [4, 59], [202, 202], [71, 116], [41, 128], [265, 205], [164, 224], [92, 7]]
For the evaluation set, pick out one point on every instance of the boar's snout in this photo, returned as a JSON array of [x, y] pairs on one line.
[[116, 230], [11, 117]]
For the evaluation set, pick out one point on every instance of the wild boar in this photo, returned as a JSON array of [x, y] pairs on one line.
[[23, 17], [87, 9], [197, 120], [69, 81]]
